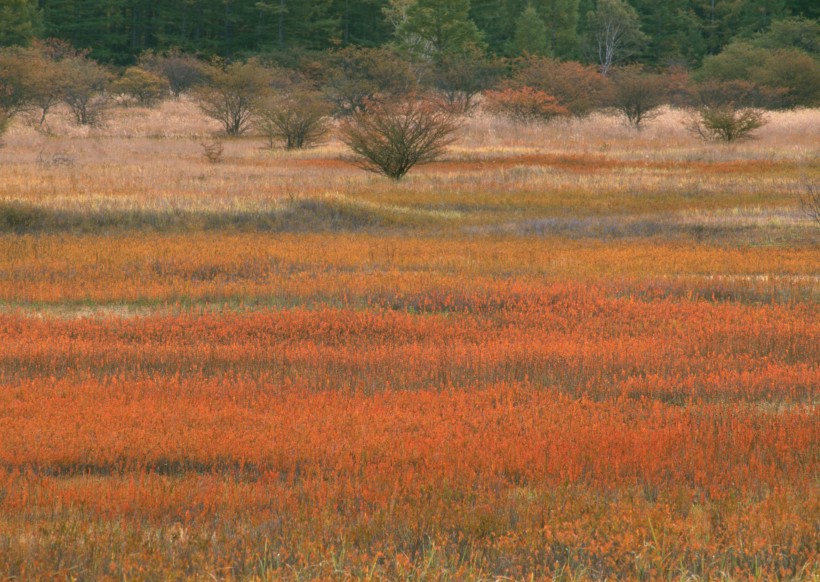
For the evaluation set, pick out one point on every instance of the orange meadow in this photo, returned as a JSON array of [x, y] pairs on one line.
[[585, 356]]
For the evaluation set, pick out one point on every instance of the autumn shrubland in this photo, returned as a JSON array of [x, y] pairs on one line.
[[565, 351]]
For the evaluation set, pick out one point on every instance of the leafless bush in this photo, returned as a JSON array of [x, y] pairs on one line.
[[182, 71], [637, 95], [58, 158], [84, 89], [726, 123], [391, 138], [5, 119], [212, 149], [141, 87], [810, 201], [353, 76], [233, 94], [299, 119], [460, 78]]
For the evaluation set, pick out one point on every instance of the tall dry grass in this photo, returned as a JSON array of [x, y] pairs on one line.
[[146, 169]]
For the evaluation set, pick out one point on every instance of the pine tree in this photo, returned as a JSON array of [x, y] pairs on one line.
[[719, 21], [496, 21], [435, 28], [361, 22], [530, 35], [674, 33], [758, 15], [91, 24], [20, 22], [561, 19]]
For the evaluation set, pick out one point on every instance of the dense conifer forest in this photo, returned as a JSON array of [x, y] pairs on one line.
[[671, 32]]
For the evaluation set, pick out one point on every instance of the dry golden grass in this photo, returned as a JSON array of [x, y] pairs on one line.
[[151, 163]]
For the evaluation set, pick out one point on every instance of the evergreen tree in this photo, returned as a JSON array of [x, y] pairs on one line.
[[561, 19], [436, 28], [673, 31], [97, 25], [614, 34], [300, 23], [20, 22], [495, 19], [719, 21], [799, 33], [758, 15], [530, 35], [361, 22], [804, 8]]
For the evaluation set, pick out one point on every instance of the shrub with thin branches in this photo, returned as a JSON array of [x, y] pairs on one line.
[[391, 138], [5, 119], [212, 149], [85, 89], [726, 123], [141, 87], [810, 202], [299, 119], [181, 71], [233, 94], [637, 95]]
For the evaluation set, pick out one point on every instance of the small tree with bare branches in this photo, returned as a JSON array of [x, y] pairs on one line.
[[233, 94], [5, 119], [810, 202], [637, 95], [299, 119], [726, 123], [391, 138]]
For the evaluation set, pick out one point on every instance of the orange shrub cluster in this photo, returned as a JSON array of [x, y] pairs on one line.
[[524, 105]]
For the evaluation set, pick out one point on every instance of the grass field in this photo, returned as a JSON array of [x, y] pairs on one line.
[[570, 352]]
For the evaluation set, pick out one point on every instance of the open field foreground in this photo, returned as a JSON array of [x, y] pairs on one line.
[[567, 352]]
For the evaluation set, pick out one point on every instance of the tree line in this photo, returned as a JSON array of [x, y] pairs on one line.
[[660, 33], [431, 72]]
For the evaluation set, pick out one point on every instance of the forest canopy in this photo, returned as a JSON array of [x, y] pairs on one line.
[[671, 33]]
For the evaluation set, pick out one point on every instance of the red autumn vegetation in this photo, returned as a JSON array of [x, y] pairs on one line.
[[527, 429]]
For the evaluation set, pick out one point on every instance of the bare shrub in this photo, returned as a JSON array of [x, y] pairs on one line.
[[637, 95], [351, 77], [524, 105], [141, 87], [391, 138], [212, 149], [84, 90], [726, 123], [299, 119], [182, 72], [460, 78], [55, 159], [233, 93], [5, 119], [810, 202]]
